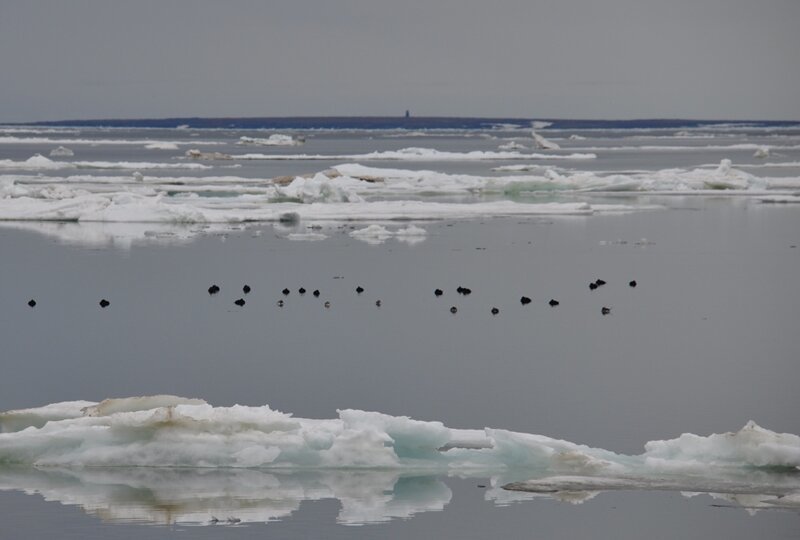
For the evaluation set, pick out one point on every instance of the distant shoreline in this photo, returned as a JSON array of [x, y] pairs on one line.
[[401, 122]]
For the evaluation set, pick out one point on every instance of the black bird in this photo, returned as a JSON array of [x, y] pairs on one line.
[[359, 289], [286, 292], [438, 292], [553, 303], [246, 289], [464, 290], [599, 282], [605, 310], [301, 290], [632, 283], [316, 293], [213, 289], [460, 289], [495, 311], [378, 303], [32, 302], [280, 303], [240, 302], [592, 286], [327, 304], [524, 300], [104, 303], [454, 310]]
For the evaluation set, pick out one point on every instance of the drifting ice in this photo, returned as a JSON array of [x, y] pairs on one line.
[[276, 139], [61, 151], [172, 431], [543, 143]]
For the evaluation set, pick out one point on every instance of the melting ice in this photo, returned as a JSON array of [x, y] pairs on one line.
[[168, 431], [258, 464]]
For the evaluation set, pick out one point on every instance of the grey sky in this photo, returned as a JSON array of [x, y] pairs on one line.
[[547, 58]]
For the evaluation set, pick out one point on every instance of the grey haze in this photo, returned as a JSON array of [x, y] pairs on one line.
[[64, 59]]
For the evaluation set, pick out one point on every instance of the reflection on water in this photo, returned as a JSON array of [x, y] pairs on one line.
[[172, 496], [164, 496], [118, 235], [124, 236]]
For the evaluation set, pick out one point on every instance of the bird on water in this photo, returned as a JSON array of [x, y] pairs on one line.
[[240, 302], [553, 303], [524, 300], [246, 289], [32, 302], [104, 303]]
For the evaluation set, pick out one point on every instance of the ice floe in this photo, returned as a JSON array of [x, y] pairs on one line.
[[161, 431], [348, 191], [8, 139], [194, 153], [275, 139], [512, 146], [255, 464], [543, 143], [164, 145], [683, 148], [762, 152], [418, 154], [373, 234], [307, 236], [40, 163], [378, 234], [61, 151]]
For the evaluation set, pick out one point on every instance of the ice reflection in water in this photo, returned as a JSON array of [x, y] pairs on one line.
[[167, 496]]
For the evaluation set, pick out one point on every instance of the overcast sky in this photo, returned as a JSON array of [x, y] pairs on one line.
[[70, 59]]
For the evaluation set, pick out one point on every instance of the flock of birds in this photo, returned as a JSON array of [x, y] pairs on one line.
[[464, 291]]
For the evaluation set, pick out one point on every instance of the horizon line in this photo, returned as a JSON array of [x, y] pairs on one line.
[[393, 118]]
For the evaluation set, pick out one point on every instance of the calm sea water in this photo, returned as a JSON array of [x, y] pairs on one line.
[[705, 343]]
